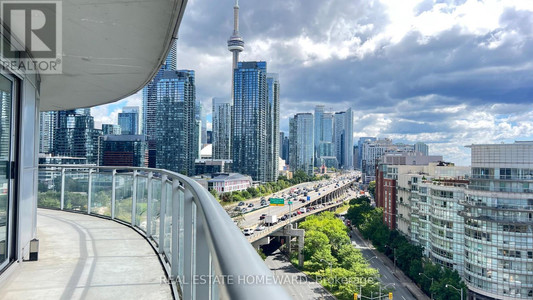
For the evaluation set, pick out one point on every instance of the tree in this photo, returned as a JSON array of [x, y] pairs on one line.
[[372, 188]]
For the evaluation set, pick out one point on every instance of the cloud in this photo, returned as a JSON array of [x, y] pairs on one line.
[[449, 73]]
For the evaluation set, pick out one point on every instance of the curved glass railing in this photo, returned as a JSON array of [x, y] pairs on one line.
[[204, 254]]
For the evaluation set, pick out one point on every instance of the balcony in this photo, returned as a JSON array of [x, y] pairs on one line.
[[203, 254]]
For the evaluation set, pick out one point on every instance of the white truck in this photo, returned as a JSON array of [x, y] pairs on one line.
[[271, 220]]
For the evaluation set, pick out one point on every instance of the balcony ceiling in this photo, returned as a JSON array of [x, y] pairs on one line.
[[111, 49]]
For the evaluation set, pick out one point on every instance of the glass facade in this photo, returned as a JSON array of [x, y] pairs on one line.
[[250, 120], [128, 120], [75, 135], [498, 213], [221, 128], [272, 127], [302, 143], [177, 137]]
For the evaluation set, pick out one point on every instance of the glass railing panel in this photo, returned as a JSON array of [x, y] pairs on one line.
[[123, 196], [76, 190], [142, 202], [168, 221], [156, 207], [49, 188], [101, 193]]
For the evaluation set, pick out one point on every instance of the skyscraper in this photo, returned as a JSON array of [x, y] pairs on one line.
[[149, 114], [177, 132], [75, 135], [128, 120], [272, 127], [343, 128], [319, 111], [301, 137], [250, 120], [47, 124], [221, 128]]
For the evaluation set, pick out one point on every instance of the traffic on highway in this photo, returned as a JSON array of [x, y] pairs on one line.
[[259, 214]]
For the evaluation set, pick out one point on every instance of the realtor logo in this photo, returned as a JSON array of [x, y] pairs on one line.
[[34, 27]]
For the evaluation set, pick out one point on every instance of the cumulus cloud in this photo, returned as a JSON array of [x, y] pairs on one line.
[[446, 72]]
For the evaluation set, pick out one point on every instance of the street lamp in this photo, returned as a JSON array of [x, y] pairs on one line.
[[431, 278], [459, 290], [330, 266], [370, 259]]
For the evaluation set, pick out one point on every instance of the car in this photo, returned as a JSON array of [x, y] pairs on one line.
[[260, 228], [262, 217], [240, 203], [248, 231], [283, 218], [298, 212], [251, 205], [243, 210]]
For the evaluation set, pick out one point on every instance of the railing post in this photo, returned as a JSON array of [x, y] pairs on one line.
[[189, 259], [134, 200], [113, 193], [149, 206], [89, 191], [62, 205], [162, 213], [175, 267]]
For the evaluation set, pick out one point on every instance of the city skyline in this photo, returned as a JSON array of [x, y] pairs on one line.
[[447, 83]]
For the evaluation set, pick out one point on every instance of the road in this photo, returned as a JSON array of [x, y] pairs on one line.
[[297, 284], [251, 219], [387, 276]]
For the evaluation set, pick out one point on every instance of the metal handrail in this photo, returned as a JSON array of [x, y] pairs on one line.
[[218, 258]]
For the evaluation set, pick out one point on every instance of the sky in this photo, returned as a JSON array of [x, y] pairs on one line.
[[447, 73]]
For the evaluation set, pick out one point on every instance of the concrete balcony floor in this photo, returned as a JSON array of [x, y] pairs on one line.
[[84, 257]]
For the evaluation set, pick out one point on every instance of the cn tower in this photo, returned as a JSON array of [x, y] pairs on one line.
[[235, 44]]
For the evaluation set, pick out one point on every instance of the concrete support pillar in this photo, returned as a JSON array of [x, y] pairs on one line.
[[301, 250]]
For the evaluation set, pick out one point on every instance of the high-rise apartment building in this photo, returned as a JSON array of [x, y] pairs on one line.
[[301, 138], [360, 144], [221, 128], [272, 127], [343, 130], [249, 128], [422, 148], [111, 129], [150, 104], [285, 149], [47, 124], [128, 120], [319, 112], [177, 131], [75, 135], [498, 216]]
